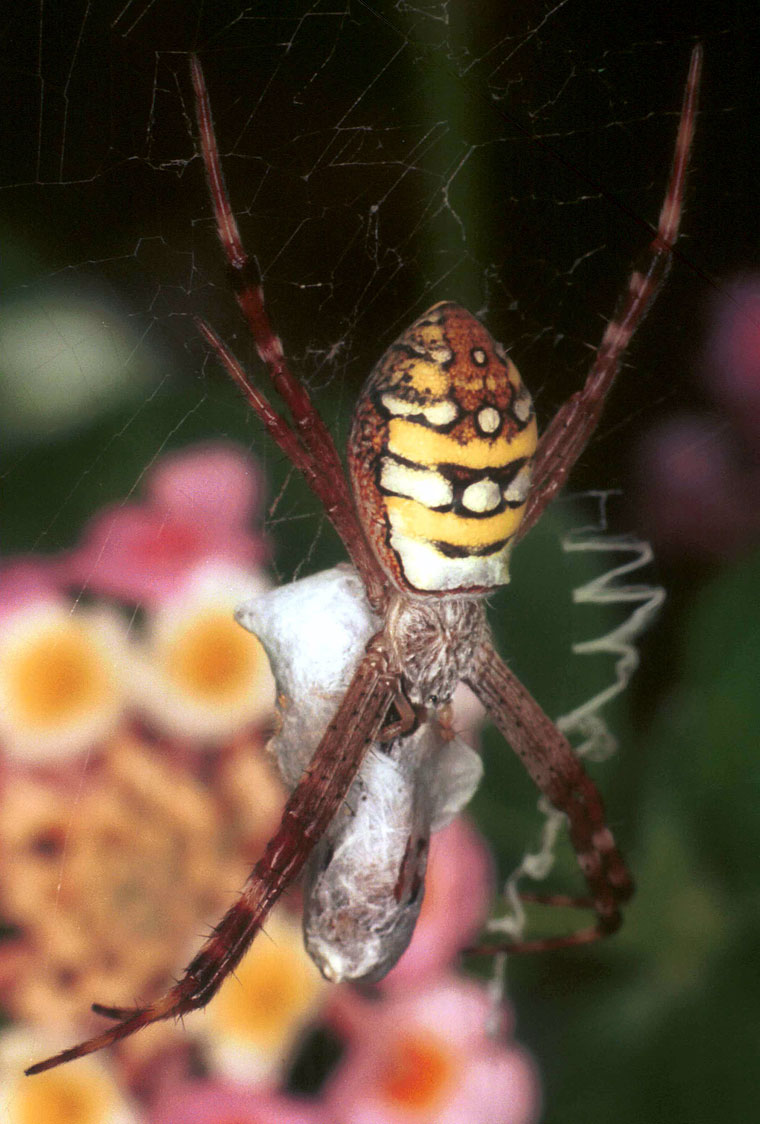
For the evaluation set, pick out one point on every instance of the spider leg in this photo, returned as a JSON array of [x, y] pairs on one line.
[[317, 458], [410, 717], [305, 818], [276, 425], [556, 770], [248, 287], [569, 431]]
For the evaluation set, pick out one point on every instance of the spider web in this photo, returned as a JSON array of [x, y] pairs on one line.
[[380, 157], [636, 605]]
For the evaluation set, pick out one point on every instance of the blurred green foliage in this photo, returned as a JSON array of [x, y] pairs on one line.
[[661, 1023]]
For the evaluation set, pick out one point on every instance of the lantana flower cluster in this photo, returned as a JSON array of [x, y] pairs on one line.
[[135, 794]]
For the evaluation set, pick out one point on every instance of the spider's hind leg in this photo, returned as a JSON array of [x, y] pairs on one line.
[[559, 774]]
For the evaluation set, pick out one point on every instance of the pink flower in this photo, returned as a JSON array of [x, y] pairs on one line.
[[26, 581], [699, 475], [732, 357], [199, 505], [211, 1102], [694, 499], [426, 1058], [454, 909]]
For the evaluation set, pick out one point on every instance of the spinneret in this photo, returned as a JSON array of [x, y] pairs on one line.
[[440, 455]]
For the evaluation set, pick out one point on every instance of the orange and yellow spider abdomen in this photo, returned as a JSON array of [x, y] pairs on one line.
[[440, 455]]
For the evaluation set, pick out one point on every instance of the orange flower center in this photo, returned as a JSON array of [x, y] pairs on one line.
[[58, 675], [275, 988], [215, 658], [418, 1071], [63, 1098]]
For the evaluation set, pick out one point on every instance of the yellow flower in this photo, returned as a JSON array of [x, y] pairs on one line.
[[113, 890], [261, 1010], [61, 675], [201, 676], [81, 1094]]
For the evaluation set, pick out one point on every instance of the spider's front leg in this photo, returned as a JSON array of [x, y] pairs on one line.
[[556, 770], [569, 431], [307, 815], [545, 752], [305, 439]]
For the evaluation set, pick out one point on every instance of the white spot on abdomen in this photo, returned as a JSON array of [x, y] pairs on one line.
[[482, 496], [523, 405], [489, 420], [517, 491], [440, 413], [427, 568], [424, 485]]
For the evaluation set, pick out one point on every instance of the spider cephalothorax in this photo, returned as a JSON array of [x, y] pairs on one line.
[[433, 642], [447, 476]]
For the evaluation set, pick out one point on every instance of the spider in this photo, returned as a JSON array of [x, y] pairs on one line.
[[447, 473]]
